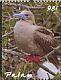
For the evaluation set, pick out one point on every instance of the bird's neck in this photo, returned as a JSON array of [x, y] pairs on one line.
[[28, 21]]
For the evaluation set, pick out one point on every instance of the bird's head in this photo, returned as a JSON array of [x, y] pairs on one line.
[[26, 16]]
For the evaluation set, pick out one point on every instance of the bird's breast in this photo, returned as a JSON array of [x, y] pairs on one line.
[[25, 39]]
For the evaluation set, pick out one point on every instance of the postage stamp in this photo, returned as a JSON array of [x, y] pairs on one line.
[[31, 39]]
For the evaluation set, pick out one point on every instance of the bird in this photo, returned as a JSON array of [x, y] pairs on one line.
[[33, 39]]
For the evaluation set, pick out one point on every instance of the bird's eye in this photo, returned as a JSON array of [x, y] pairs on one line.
[[26, 14]]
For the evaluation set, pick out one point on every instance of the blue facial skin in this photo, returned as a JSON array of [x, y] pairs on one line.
[[21, 16]]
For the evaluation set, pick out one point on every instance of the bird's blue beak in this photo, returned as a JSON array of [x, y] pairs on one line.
[[20, 16]]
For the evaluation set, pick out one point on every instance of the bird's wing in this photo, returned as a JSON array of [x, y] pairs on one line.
[[45, 31], [45, 38]]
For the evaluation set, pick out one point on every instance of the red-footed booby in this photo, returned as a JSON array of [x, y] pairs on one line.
[[33, 39]]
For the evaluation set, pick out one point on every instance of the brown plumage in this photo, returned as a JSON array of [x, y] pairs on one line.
[[34, 39]]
